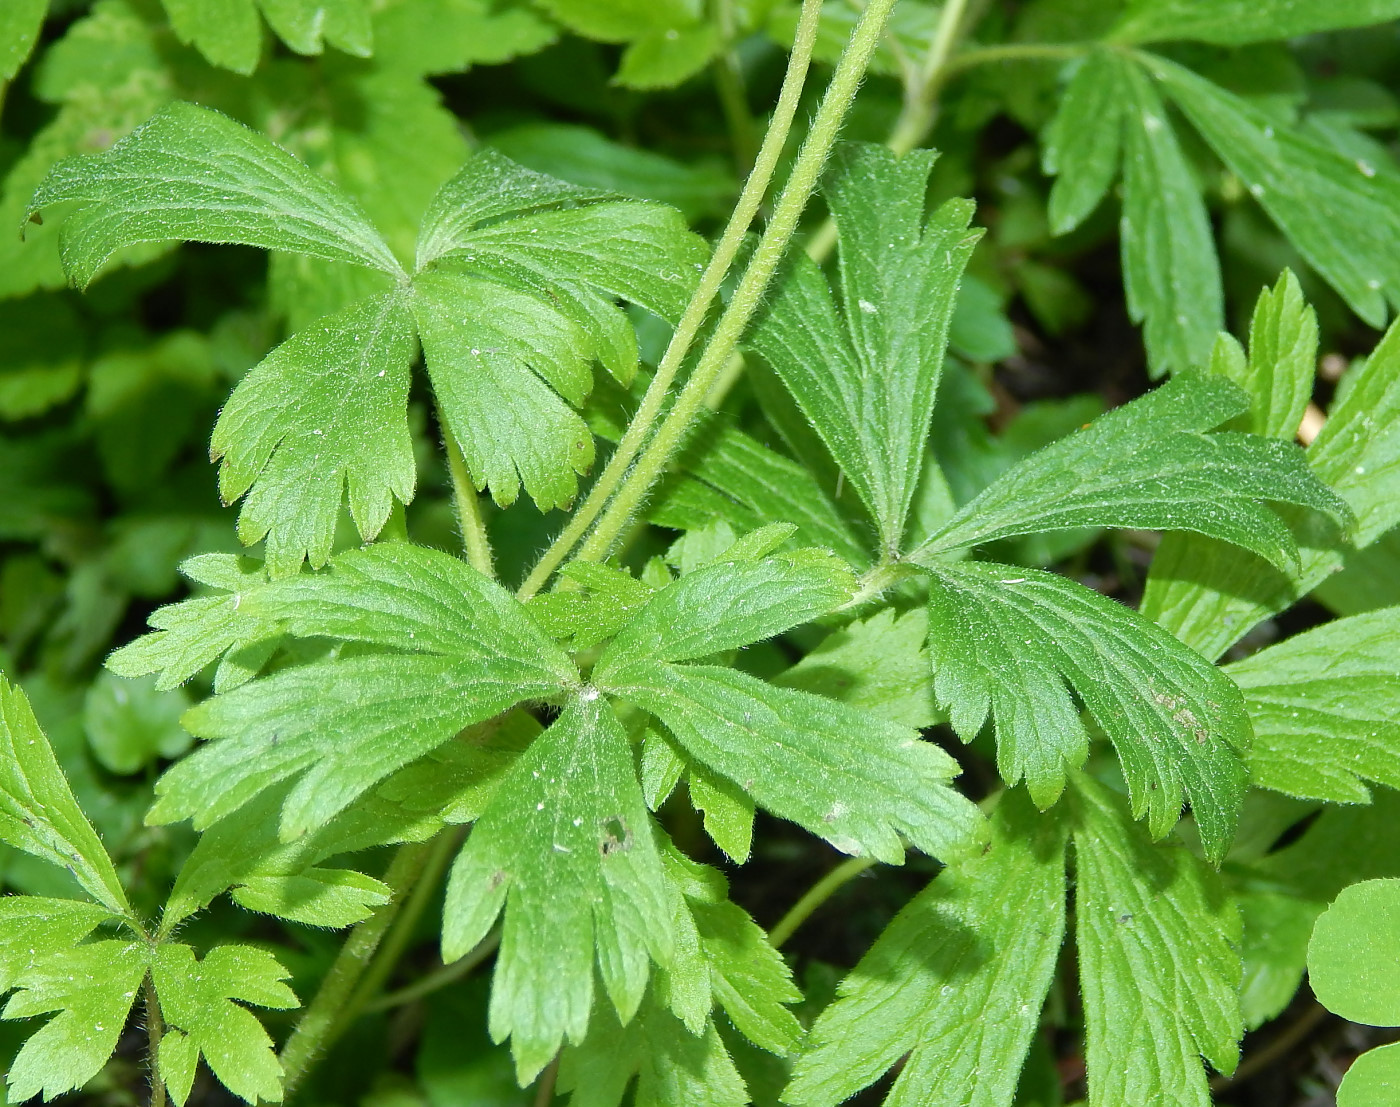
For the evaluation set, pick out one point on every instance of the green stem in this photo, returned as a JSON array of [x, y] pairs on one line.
[[733, 96], [155, 1031], [391, 950], [439, 978], [818, 894], [320, 1022], [747, 297], [468, 504], [544, 1093], [755, 188]]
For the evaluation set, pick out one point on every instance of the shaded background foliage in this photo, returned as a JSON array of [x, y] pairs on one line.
[[106, 398]]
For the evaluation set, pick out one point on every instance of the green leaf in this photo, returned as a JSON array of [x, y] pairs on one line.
[[448, 36], [514, 298], [1354, 954], [20, 22], [956, 981], [1170, 271], [568, 849], [590, 603], [1158, 962], [1339, 681], [326, 410], [197, 1000], [1338, 211], [1210, 596], [1372, 1078], [727, 605], [672, 1065], [308, 25], [191, 634], [1006, 642], [748, 976], [847, 776], [463, 650], [92, 988], [226, 32], [1081, 147], [866, 373], [878, 664], [1278, 374], [191, 173], [1369, 578], [32, 928], [38, 813], [1236, 22], [1149, 464], [131, 724], [667, 40]]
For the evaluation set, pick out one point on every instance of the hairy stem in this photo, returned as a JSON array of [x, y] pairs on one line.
[[747, 297], [755, 188], [155, 1031], [444, 846], [818, 894], [321, 1022], [467, 501]]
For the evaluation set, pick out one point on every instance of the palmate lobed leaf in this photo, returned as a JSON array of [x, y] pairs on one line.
[[1150, 464], [866, 373], [454, 649], [1010, 643], [568, 849], [1082, 146]]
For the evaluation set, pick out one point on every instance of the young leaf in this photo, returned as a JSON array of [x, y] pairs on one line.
[[191, 173], [1170, 271], [1149, 464], [1236, 22], [202, 1019], [567, 847], [1338, 211], [728, 605], [464, 652], [1210, 596], [1007, 641], [38, 813], [91, 987], [189, 635], [1082, 144], [866, 373], [1338, 681], [326, 410], [956, 981], [847, 776], [1278, 374], [1158, 960]]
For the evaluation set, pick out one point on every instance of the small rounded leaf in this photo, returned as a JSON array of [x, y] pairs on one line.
[[1373, 1079], [1354, 955]]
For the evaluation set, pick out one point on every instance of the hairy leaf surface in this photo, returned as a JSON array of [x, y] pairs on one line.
[[866, 372], [1326, 709], [1149, 464], [191, 173], [845, 775], [567, 848], [1236, 22], [1010, 643], [1158, 961]]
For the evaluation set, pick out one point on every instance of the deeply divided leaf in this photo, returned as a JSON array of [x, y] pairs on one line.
[[567, 848], [1158, 961], [1012, 643], [191, 173], [866, 371]]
